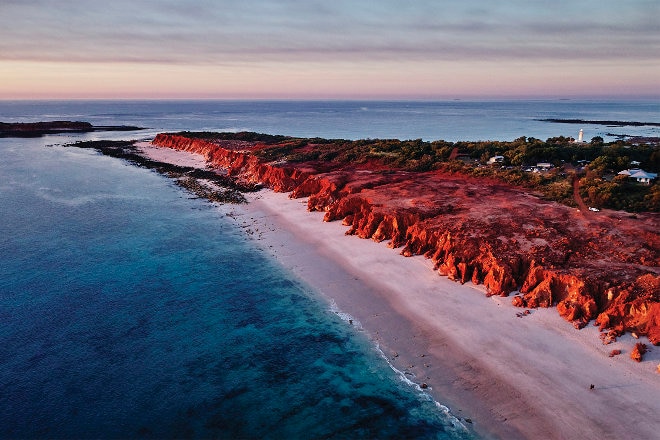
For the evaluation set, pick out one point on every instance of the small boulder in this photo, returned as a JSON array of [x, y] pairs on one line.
[[638, 352]]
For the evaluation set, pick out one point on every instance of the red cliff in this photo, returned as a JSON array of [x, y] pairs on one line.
[[602, 268]]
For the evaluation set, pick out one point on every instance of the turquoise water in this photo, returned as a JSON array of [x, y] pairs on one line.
[[130, 310]]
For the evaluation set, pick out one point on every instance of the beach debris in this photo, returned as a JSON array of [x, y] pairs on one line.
[[522, 314], [592, 386], [614, 353], [468, 420], [424, 385], [608, 337], [637, 353]]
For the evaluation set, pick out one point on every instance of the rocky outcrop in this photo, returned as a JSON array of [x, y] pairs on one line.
[[603, 268], [238, 159], [632, 309], [638, 352]]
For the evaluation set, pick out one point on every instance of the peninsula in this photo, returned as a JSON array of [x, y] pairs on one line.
[[594, 267], [513, 248], [37, 129], [496, 227]]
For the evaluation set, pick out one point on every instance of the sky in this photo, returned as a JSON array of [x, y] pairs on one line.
[[328, 49]]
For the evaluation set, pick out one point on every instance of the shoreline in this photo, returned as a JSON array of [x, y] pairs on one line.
[[514, 377], [485, 364]]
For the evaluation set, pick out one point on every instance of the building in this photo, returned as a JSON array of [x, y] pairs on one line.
[[639, 175], [580, 139]]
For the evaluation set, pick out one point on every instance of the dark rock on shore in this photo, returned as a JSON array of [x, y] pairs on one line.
[[205, 184]]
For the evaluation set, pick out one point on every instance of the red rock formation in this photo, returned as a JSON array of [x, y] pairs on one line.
[[603, 267], [237, 158], [631, 309], [638, 352]]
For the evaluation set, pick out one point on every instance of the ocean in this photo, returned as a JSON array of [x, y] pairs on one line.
[[129, 309], [448, 120]]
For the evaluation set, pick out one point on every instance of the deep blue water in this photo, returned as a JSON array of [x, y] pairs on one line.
[[129, 310]]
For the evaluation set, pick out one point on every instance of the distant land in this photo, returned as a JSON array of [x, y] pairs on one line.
[[37, 129], [597, 122]]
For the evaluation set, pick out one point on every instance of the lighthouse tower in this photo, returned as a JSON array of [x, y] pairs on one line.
[[581, 136]]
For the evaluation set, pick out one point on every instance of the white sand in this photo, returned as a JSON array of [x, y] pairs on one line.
[[169, 155], [513, 377]]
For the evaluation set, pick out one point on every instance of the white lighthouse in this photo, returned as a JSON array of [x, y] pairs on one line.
[[581, 136]]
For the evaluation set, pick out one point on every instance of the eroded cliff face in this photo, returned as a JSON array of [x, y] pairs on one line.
[[602, 267], [237, 158]]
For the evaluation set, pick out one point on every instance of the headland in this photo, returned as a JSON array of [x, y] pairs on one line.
[[600, 265], [38, 129], [508, 368]]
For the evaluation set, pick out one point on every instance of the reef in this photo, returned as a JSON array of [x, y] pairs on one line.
[[602, 122], [38, 129], [206, 184], [593, 267]]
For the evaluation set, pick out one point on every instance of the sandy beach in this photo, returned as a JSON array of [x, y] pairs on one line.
[[512, 376], [167, 155]]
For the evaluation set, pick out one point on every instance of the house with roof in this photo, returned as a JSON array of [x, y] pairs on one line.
[[639, 175]]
